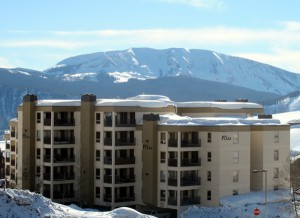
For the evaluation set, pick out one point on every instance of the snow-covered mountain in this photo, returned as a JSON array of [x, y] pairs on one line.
[[147, 63]]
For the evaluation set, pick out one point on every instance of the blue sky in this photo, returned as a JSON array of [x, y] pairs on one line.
[[38, 34]]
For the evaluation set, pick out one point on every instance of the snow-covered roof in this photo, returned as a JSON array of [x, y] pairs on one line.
[[223, 105], [58, 102], [173, 119]]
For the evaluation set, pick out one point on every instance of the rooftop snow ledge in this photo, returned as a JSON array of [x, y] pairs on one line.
[[223, 105]]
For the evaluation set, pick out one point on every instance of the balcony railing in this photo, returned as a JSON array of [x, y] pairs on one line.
[[108, 141], [189, 201], [125, 142], [107, 160], [47, 140], [108, 123], [67, 122], [108, 179], [186, 143], [172, 182], [62, 176], [63, 195], [173, 143], [172, 162], [64, 140], [63, 159], [107, 198], [125, 124], [124, 199], [47, 122], [172, 201], [124, 161], [190, 162], [124, 179], [190, 182]]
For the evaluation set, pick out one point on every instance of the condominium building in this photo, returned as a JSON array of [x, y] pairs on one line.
[[145, 151]]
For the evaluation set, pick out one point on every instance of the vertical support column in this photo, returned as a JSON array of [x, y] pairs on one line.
[[150, 158], [87, 149], [28, 143]]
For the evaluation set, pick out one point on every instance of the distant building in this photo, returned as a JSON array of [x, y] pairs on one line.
[[145, 151]]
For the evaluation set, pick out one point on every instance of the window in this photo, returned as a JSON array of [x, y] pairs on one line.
[[276, 137], [38, 135], [276, 155], [235, 138], [38, 153], [208, 195], [38, 117], [97, 173], [275, 187], [98, 118], [162, 195], [163, 138], [97, 192], [209, 156], [162, 176], [235, 192], [38, 171], [235, 175], [163, 157], [235, 157], [209, 137], [276, 173], [98, 135], [208, 175], [97, 155]]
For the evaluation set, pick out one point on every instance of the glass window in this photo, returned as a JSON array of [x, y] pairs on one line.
[[235, 138], [38, 117], [38, 171], [163, 157], [236, 157], [235, 175], [162, 176], [98, 118], [97, 192], [38, 135], [276, 137], [208, 175], [162, 195], [38, 153], [97, 155], [276, 173], [209, 137], [276, 155], [208, 195], [97, 173], [163, 138], [98, 135], [209, 156]]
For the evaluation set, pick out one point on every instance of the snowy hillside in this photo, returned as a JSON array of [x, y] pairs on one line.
[[146, 63]]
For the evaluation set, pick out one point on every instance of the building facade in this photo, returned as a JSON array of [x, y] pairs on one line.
[[146, 151]]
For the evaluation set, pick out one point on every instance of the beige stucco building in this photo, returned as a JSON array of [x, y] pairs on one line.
[[144, 152]]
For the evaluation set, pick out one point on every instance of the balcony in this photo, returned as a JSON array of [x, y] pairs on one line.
[[124, 179], [124, 161], [172, 162], [63, 159], [108, 141], [47, 176], [63, 195], [107, 160], [47, 122], [12, 162], [47, 158], [13, 148], [63, 176], [66, 122], [107, 198], [125, 142], [173, 143], [12, 176], [126, 124], [7, 146], [47, 140], [190, 144], [189, 201], [189, 182], [108, 179], [108, 123], [172, 182], [190, 162], [124, 199], [172, 201], [64, 140], [13, 134], [7, 159]]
